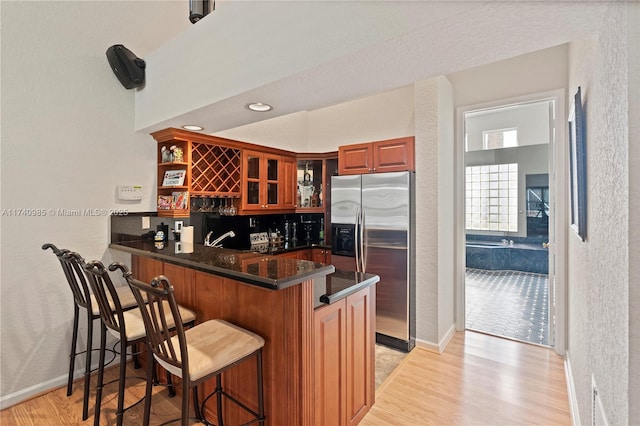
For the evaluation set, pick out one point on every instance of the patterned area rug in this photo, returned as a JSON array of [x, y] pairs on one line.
[[509, 304]]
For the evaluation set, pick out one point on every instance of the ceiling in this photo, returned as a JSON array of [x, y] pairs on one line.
[[305, 55]]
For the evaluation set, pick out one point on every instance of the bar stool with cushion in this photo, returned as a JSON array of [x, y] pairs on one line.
[[195, 355], [85, 301], [128, 326]]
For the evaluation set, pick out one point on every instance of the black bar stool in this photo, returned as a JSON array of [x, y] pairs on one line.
[[194, 355], [127, 325], [85, 301]]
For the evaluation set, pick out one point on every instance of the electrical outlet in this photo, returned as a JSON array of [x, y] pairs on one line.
[[146, 222]]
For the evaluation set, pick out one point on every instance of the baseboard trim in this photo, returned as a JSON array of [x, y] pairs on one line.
[[39, 389], [440, 346], [571, 391], [22, 395]]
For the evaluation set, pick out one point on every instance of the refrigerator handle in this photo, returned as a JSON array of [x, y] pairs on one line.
[[363, 243], [356, 236]]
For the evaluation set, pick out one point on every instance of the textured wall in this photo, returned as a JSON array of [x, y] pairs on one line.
[[633, 28], [426, 133], [67, 142], [446, 206], [598, 274]]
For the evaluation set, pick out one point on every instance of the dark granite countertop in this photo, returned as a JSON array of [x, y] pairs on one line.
[[342, 283], [263, 270], [287, 247]]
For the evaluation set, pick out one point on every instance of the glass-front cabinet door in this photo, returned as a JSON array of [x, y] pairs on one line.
[[272, 182], [251, 199], [262, 182]]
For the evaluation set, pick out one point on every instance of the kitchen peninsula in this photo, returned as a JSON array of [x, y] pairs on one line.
[[318, 325]]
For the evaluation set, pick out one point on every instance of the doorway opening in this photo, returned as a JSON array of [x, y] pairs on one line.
[[509, 220]]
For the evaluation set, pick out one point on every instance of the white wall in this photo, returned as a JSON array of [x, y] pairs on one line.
[[67, 142], [285, 132], [384, 116], [599, 276], [633, 80]]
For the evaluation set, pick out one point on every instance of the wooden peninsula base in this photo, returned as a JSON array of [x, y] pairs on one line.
[[319, 364]]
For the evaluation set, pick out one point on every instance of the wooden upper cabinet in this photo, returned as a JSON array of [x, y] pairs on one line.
[[268, 182], [393, 155], [355, 159]]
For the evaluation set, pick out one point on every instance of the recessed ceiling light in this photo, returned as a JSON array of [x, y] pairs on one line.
[[259, 106], [192, 127]]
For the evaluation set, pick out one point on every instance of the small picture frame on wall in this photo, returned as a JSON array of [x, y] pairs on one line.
[[578, 167]]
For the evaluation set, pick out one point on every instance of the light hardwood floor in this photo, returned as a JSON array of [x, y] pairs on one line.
[[479, 379]]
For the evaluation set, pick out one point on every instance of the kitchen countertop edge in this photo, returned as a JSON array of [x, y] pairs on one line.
[[329, 299], [268, 283]]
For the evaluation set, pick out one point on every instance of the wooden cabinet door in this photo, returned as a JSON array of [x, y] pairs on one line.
[[253, 196], [317, 255], [394, 155], [321, 256], [289, 255], [273, 182], [360, 379], [288, 177], [329, 364], [355, 159], [267, 182]]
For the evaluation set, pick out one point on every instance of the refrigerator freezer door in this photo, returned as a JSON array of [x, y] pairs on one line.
[[345, 198], [385, 200]]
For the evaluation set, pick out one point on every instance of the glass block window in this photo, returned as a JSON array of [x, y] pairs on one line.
[[492, 197]]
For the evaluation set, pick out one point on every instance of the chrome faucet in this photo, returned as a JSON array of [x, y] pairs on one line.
[[216, 242]]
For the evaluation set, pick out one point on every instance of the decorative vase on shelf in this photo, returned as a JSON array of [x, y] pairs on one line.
[[176, 154], [165, 155]]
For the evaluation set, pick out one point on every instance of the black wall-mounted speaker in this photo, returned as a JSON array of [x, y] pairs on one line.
[[198, 9], [126, 66]]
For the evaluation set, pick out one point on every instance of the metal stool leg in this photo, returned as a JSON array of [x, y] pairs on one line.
[[121, 382], [87, 367], [260, 388], [103, 344], [196, 404], [219, 398], [72, 352], [172, 391], [147, 394], [134, 355], [184, 418]]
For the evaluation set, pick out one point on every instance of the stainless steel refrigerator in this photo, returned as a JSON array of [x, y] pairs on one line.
[[373, 231]]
